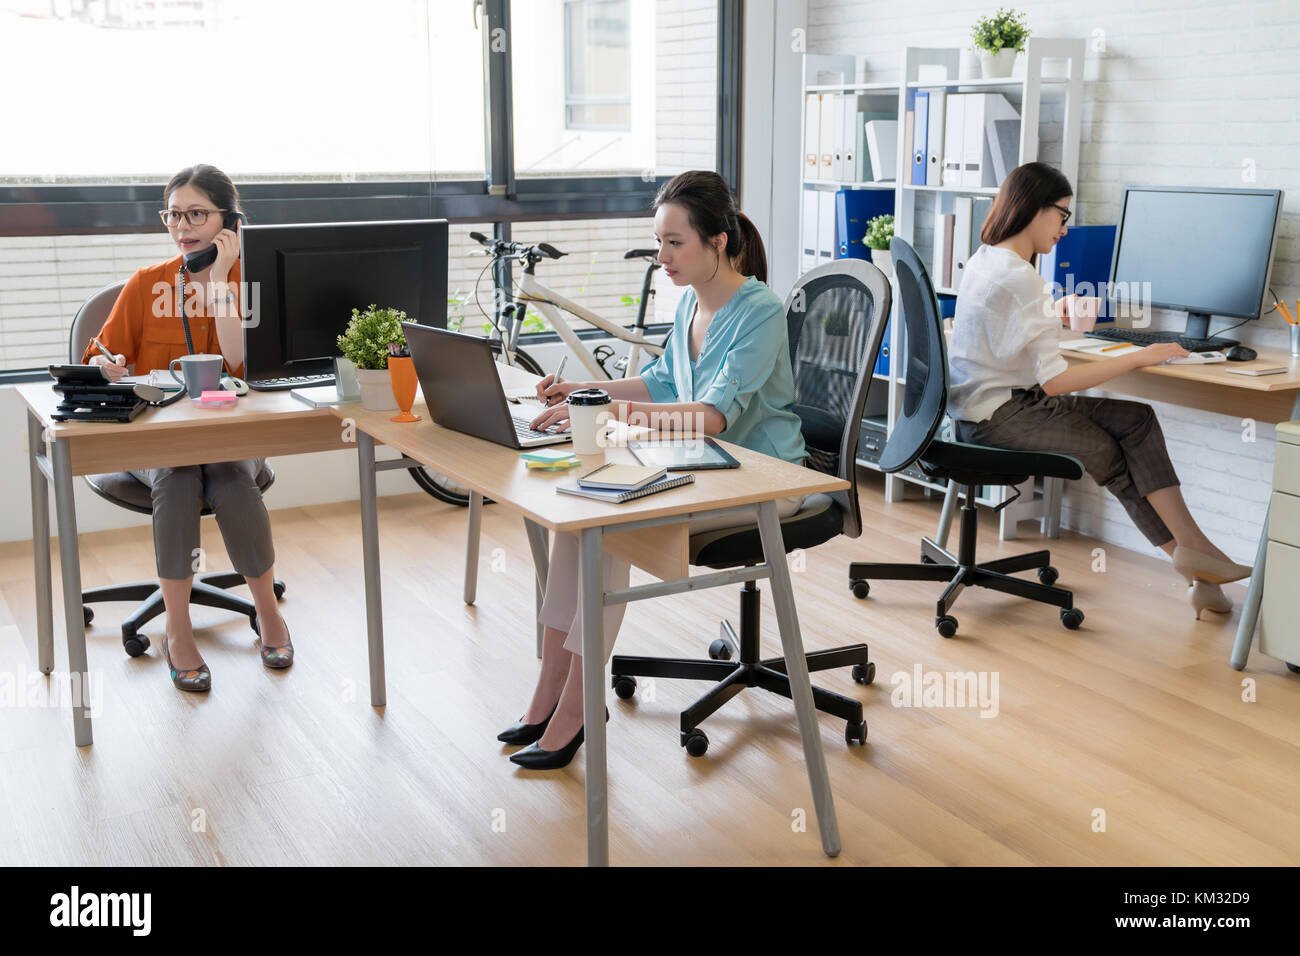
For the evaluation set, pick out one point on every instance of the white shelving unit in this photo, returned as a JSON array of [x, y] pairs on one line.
[[941, 69]]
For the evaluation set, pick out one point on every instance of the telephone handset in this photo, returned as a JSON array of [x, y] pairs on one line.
[[198, 261]]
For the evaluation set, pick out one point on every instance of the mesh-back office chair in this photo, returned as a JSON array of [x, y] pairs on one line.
[[836, 318], [126, 491], [925, 399]]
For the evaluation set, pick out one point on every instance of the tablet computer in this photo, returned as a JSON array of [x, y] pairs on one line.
[[682, 454]]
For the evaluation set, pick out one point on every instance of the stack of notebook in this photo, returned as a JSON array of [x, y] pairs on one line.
[[616, 482]]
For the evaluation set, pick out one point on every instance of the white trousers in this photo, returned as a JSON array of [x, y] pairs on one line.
[[560, 607]]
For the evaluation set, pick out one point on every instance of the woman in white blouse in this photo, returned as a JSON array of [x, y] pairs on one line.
[[1010, 387]]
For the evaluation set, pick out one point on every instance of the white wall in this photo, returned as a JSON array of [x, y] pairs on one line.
[[1176, 93]]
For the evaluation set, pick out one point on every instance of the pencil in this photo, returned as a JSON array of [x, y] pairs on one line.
[[1286, 313], [1111, 348]]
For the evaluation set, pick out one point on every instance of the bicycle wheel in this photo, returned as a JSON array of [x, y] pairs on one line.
[[442, 487]]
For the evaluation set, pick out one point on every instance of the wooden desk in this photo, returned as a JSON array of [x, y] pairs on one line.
[[495, 472], [259, 425], [1212, 388]]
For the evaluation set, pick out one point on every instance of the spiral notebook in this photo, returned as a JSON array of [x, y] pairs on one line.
[[670, 480]]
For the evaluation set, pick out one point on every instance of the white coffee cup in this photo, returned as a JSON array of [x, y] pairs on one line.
[[589, 412], [1083, 312]]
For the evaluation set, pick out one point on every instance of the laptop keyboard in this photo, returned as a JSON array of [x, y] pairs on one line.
[[524, 432]]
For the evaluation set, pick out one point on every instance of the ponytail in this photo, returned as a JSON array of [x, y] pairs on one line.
[[711, 210]]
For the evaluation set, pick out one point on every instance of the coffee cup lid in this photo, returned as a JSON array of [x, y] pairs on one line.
[[589, 396]]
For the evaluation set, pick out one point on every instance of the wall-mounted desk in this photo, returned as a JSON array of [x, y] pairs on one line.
[[650, 531]]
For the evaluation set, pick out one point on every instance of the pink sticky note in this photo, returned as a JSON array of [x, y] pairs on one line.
[[217, 396]]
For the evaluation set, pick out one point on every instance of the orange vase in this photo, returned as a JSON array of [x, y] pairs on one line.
[[402, 373]]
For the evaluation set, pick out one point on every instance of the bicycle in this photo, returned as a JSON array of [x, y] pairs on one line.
[[504, 338]]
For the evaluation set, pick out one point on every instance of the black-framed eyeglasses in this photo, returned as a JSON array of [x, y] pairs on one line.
[[195, 217], [1065, 213]]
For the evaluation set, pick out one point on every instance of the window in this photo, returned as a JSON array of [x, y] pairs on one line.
[[597, 72]]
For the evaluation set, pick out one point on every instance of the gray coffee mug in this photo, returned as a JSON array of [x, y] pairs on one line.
[[202, 373]]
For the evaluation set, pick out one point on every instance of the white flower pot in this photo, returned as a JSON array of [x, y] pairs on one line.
[[997, 65], [883, 261], [376, 390]]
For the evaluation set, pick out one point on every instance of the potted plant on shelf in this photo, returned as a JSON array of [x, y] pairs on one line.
[[998, 39], [365, 343], [879, 231]]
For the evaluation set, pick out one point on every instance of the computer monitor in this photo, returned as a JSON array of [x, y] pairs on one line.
[[1204, 251], [303, 281]]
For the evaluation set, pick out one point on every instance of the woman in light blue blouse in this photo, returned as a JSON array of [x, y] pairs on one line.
[[726, 372]]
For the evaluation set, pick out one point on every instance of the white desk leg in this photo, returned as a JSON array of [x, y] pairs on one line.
[[1052, 493], [1250, 607], [473, 531], [370, 555], [945, 517], [796, 666], [593, 693], [41, 548], [541, 566], [70, 565]]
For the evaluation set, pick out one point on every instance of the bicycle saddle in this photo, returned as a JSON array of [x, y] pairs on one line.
[[641, 254]]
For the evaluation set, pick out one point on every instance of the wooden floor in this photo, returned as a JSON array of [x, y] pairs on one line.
[[1125, 742]]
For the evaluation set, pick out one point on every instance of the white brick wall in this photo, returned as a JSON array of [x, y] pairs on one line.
[[686, 54], [1182, 94]]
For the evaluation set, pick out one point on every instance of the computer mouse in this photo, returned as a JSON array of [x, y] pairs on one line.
[[236, 385], [1241, 353]]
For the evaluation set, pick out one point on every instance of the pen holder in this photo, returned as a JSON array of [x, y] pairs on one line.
[[1295, 340], [401, 370]]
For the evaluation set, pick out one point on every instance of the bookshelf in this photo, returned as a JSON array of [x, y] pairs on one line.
[[1053, 63]]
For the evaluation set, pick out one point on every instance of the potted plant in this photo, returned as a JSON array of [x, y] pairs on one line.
[[879, 231], [998, 39], [365, 342]]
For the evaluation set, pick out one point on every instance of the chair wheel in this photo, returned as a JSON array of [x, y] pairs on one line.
[[947, 625], [864, 673], [1293, 668], [860, 588], [135, 645], [1071, 617], [278, 588], [1048, 575], [696, 743], [87, 614], [719, 651], [624, 686], [855, 733]]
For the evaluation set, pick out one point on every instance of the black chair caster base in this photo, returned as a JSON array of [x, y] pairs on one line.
[[864, 673], [856, 733], [624, 686], [696, 742], [860, 588], [1071, 617], [947, 625], [1048, 575]]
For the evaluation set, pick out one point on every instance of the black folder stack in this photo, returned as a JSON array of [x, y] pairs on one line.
[[87, 396]]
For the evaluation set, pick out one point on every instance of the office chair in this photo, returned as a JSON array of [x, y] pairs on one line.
[[835, 318], [126, 491], [925, 399]]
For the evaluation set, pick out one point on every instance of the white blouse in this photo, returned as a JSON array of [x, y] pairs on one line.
[[1006, 334]]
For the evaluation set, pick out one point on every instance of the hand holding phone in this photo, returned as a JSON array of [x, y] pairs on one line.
[[225, 246]]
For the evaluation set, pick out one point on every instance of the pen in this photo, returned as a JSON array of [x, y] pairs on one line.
[[103, 351], [558, 372]]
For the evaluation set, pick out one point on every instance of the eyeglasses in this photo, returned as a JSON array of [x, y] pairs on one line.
[[1065, 213], [195, 217]]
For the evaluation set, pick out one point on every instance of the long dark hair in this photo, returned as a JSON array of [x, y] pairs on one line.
[[212, 181], [711, 209], [1026, 191]]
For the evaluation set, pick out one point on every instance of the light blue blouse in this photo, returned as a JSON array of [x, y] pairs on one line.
[[743, 370]]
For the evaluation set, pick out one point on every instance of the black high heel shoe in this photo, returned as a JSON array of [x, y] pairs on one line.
[[521, 733], [535, 758]]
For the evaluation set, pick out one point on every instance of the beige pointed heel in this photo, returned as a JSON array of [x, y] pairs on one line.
[[1209, 597], [1194, 564]]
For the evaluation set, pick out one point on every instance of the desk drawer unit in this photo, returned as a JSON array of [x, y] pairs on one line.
[[1279, 623]]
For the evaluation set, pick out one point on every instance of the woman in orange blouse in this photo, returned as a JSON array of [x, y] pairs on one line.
[[145, 330]]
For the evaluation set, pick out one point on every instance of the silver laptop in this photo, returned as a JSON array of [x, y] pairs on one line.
[[458, 376]]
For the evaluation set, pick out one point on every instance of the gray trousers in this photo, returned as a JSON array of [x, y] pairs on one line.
[[230, 489], [560, 608], [1120, 444]]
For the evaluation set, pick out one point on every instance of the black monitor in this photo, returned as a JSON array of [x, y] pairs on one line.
[[1202, 250], [303, 281]]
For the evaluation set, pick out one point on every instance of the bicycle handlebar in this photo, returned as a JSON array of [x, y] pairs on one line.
[[499, 247]]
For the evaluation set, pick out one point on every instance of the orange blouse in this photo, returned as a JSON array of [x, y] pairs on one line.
[[145, 324]]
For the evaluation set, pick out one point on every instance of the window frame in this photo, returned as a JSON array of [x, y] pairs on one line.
[[572, 99], [114, 208]]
